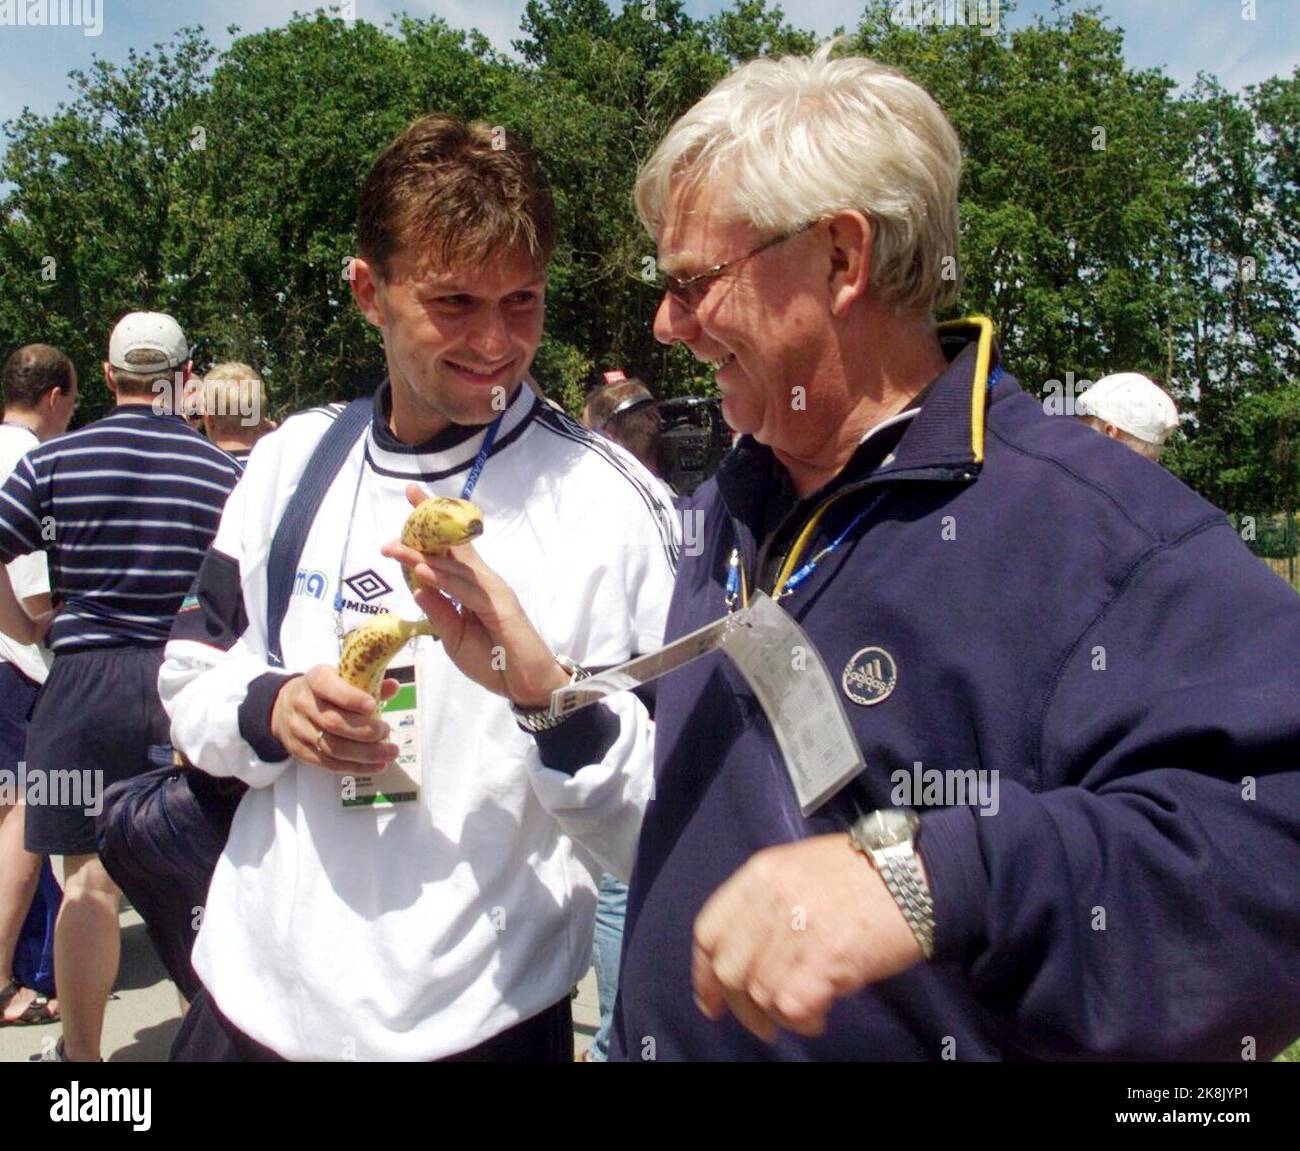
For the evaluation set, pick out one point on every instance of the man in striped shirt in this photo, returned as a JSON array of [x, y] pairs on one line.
[[125, 510]]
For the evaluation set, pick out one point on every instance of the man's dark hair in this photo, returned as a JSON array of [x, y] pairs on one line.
[[626, 413], [465, 192], [639, 431], [31, 372]]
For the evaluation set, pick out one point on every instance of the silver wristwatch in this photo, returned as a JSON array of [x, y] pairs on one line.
[[887, 838], [541, 719]]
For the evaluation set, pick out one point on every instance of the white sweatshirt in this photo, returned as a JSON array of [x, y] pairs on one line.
[[422, 931]]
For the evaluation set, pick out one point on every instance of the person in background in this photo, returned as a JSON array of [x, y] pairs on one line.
[[38, 387], [126, 508], [624, 411], [1131, 408], [234, 408]]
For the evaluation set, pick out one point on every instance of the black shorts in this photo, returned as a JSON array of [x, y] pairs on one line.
[[207, 1036], [94, 722], [17, 693]]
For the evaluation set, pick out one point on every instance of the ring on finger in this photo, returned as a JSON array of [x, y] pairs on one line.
[[320, 742]]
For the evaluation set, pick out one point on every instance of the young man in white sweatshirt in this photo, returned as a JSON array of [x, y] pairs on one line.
[[453, 922]]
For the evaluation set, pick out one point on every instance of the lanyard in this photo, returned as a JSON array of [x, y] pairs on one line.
[[471, 482], [784, 586], [790, 579], [737, 591]]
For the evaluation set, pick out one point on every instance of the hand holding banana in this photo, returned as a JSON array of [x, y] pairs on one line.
[[329, 717], [434, 526], [490, 638], [322, 719]]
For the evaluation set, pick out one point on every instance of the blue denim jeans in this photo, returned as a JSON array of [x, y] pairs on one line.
[[611, 910]]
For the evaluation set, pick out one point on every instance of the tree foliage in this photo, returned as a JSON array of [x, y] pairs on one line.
[[1109, 221]]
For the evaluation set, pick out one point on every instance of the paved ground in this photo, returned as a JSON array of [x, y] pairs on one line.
[[144, 1014]]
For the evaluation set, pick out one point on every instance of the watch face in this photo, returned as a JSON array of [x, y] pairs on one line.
[[890, 826]]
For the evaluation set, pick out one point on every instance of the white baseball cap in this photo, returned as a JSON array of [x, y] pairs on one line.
[[152, 331], [1133, 404]]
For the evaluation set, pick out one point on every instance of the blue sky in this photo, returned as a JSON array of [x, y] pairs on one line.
[[1182, 36]]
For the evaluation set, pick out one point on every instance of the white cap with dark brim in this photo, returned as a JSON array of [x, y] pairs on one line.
[[1133, 404], [147, 331]]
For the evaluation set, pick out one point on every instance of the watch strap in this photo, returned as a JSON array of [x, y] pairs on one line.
[[541, 719], [902, 874]]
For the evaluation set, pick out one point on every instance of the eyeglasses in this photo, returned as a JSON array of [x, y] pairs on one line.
[[691, 291]]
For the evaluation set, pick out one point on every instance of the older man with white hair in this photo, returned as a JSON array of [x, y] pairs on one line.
[[917, 515], [1131, 408], [980, 784]]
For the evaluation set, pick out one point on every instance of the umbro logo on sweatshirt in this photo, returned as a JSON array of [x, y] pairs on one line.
[[367, 585]]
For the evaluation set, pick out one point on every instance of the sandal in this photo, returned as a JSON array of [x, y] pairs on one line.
[[8, 991], [38, 1011]]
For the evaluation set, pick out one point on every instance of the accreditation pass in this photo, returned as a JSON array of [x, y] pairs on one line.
[[781, 665], [399, 781], [786, 674]]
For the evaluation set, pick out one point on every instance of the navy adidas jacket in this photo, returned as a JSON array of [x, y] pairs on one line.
[[1060, 611]]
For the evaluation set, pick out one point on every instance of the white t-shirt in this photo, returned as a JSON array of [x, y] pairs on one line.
[[28, 574]]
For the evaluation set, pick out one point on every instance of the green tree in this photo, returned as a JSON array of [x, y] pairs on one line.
[[1232, 331], [100, 220], [1109, 221], [293, 118], [1069, 190]]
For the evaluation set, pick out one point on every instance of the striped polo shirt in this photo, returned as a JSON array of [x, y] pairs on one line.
[[125, 510]]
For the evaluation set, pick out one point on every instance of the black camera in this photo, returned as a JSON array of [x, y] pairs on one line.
[[695, 438]]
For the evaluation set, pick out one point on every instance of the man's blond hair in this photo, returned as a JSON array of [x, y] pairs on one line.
[[234, 399]]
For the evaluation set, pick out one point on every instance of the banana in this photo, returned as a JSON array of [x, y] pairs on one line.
[[441, 522], [369, 649], [437, 524]]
